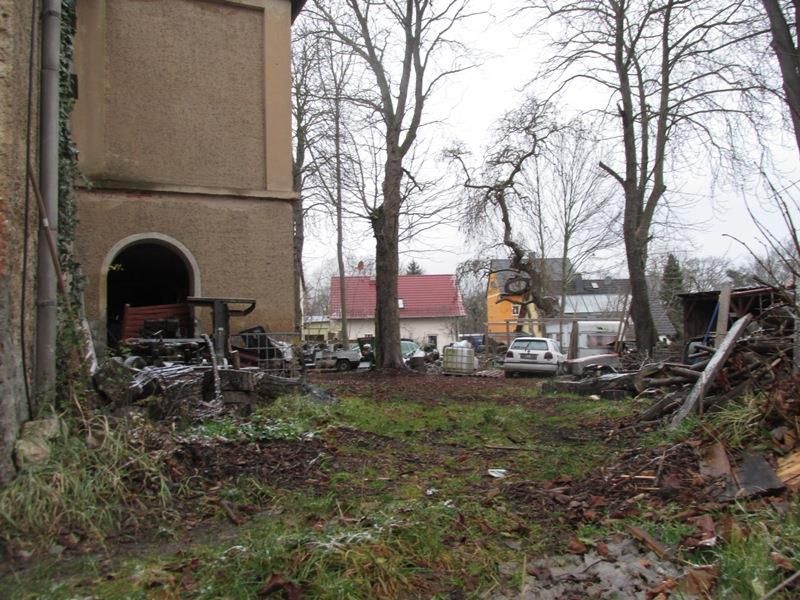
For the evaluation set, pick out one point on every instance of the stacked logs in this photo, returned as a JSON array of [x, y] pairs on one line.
[[754, 354]]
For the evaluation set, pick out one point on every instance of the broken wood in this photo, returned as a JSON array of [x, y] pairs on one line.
[[711, 371], [649, 541], [723, 313]]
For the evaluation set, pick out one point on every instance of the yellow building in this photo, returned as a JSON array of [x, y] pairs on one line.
[[503, 306]]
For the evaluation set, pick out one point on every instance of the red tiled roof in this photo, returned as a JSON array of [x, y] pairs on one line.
[[422, 295]]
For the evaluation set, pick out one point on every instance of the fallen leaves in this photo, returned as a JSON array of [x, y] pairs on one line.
[[279, 583]]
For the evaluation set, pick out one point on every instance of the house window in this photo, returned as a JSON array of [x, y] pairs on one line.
[[400, 303], [515, 309], [432, 341]]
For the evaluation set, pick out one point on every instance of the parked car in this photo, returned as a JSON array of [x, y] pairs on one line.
[[408, 348], [533, 355], [338, 358]]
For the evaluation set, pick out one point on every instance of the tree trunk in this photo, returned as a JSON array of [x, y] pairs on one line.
[[788, 58], [385, 224], [299, 280], [337, 141], [298, 239], [646, 336]]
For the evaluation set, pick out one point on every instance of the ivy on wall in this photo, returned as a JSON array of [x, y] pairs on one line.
[[69, 331]]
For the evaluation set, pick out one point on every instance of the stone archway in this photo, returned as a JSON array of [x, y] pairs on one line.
[[144, 270]]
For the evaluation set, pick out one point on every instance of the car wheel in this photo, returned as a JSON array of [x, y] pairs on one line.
[[507, 374], [342, 365]]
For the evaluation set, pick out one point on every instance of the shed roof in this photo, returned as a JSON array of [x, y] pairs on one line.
[[423, 296]]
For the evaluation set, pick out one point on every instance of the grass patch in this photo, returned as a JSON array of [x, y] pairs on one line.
[[402, 549], [85, 490], [738, 423], [758, 548], [259, 428], [665, 436], [401, 504]]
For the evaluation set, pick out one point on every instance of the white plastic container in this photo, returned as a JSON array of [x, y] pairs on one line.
[[459, 360]]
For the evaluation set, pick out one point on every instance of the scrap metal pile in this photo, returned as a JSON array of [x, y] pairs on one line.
[[756, 352]]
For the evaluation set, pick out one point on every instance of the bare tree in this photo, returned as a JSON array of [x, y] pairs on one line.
[[778, 261], [703, 273], [305, 120], [542, 180], [498, 190], [332, 155], [670, 70], [398, 41], [472, 277], [787, 53], [579, 204]]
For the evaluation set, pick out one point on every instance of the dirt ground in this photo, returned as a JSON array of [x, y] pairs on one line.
[[633, 480]]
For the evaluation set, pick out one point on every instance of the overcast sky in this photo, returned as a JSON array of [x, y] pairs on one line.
[[469, 105]]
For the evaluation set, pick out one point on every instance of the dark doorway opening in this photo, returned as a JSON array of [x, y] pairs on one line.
[[144, 274]]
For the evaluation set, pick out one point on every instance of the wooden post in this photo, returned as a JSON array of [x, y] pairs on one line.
[[723, 313], [623, 323], [712, 369], [573, 340]]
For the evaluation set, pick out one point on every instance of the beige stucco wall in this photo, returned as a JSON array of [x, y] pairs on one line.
[[15, 24], [242, 247], [184, 130], [185, 92]]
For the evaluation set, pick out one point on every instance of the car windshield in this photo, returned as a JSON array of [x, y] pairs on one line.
[[408, 347], [529, 345]]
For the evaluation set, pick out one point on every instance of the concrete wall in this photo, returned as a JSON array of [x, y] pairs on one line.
[[445, 329], [15, 23], [184, 130]]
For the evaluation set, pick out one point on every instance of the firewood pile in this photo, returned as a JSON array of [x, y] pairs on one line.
[[751, 357]]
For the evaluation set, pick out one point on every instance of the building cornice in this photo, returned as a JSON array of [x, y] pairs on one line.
[[192, 190]]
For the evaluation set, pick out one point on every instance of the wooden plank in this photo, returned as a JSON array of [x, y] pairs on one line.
[[712, 370], [723, 313]]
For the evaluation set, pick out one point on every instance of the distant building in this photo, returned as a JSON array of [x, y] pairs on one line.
[[430, 308], [585, 299], [316, 328]]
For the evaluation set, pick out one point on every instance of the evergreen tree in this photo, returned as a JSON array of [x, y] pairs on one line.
[[671, 285], [414, 268]]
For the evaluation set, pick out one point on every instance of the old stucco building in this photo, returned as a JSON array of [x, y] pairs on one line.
[[17, 267], [183, 127]]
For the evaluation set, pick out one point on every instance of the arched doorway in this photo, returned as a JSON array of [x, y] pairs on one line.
[[144, 273]]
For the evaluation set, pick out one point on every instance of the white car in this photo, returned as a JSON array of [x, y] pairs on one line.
[[533, 355]]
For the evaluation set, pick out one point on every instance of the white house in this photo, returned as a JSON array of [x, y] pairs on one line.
[[430, 308]]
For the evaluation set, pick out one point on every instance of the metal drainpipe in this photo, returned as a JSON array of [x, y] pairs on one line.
[[46, 302]]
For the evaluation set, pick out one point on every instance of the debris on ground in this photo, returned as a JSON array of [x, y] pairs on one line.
[[195, 392], [618, 569]]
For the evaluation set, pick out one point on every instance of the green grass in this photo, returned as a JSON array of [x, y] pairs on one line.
[[407, 508], [738, 423], [748, 567], [259, 428], [85, 489]]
